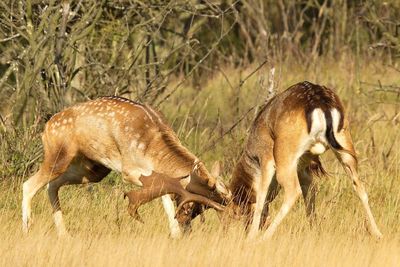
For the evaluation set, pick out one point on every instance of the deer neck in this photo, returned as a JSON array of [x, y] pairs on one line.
[[173, 160], [242, 182]]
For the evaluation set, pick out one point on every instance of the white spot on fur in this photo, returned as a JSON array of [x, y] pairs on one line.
[[133, 144]]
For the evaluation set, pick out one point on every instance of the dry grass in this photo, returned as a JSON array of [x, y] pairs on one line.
[[104, 234]]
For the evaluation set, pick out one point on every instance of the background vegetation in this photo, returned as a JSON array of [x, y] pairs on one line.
[[206, 65]]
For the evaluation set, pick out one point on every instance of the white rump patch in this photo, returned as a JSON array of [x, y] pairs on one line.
[[335, 119], [317, 142], [318, 123]]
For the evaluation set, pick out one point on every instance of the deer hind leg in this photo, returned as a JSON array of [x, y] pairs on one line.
[[286, 158], [309, 192], [170, 211], [349, 162], [29, 189], [267, 172], [79, 172], [52, 191], [52, 167]]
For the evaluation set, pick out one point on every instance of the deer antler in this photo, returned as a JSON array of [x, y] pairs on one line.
[[156, 185]]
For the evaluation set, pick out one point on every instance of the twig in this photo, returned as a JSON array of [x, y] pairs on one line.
[[10, 38], [214, 46], [3, 122], [271, 79], [243, 116], [12, 66], [251, 73], [60, 43], [233, 126]]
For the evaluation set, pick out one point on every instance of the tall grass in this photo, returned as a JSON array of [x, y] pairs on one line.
[[104, 234]]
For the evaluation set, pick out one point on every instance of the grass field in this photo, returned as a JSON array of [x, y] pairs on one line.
[[104, 234]]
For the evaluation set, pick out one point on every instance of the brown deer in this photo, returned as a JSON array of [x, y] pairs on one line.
[[83, 143], [287, 137]]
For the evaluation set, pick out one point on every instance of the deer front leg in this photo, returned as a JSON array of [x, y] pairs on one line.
[[170, 211], [286, 158], [261, 186]]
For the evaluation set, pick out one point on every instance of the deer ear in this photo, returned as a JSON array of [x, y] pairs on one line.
[[196, 167], [216, 169]]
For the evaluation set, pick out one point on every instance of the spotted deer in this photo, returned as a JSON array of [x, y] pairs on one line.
[[83, 143], [286, 139]]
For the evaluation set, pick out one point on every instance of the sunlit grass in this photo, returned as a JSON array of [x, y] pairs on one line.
[[104, 234]]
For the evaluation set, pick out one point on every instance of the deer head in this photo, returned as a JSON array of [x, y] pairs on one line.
[[219, 193]]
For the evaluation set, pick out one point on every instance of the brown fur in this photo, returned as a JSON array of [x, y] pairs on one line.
[[113, 133], [282, 130]]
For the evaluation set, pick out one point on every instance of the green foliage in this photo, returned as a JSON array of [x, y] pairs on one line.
[[54, 54], [189, 59], [21, 151]]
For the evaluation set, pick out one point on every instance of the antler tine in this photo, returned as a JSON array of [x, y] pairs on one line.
[[189, 197], [133, 207], [156, 185], [153, 187]]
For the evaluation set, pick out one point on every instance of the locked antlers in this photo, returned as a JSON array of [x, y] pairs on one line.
[[156, 185]]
